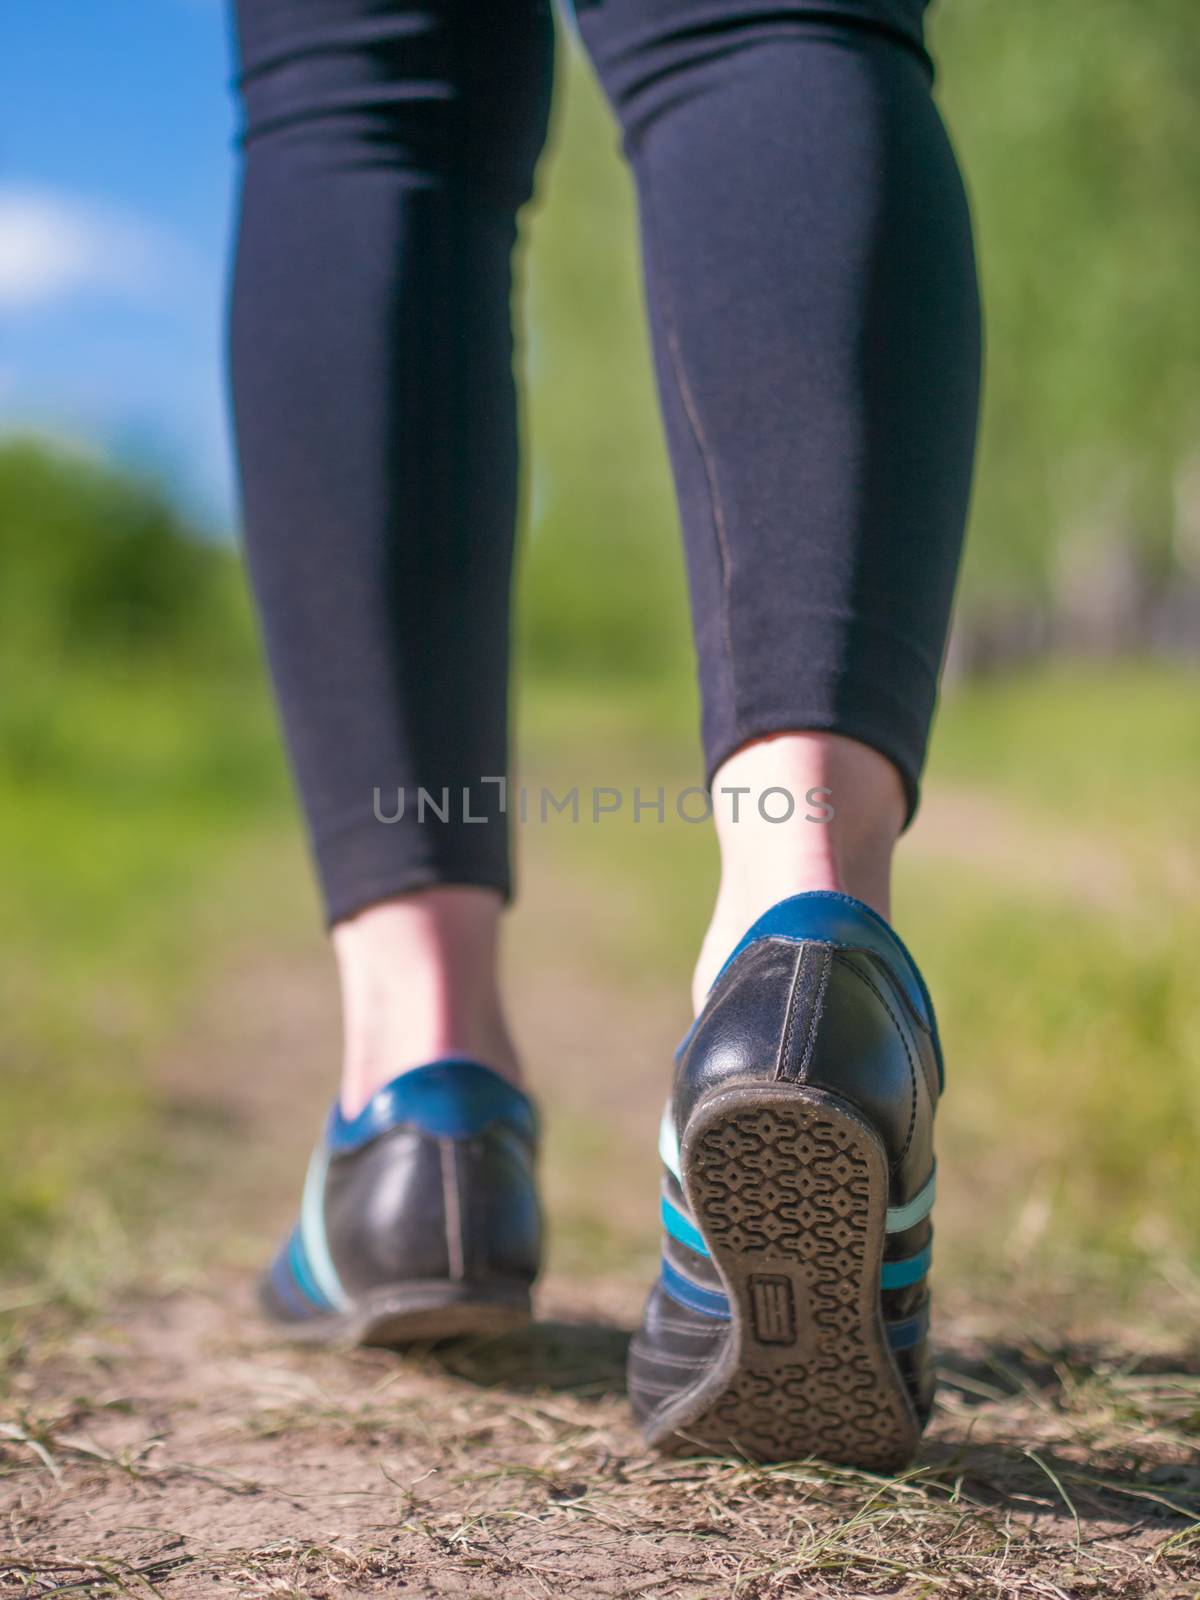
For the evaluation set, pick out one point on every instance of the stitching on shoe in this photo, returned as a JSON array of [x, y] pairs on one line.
[[786, 1069], [818, 1009], [783, 1062], [456, 1243]]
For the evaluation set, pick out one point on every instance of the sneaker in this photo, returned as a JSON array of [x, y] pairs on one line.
[[420, 1216], [791, 1314]]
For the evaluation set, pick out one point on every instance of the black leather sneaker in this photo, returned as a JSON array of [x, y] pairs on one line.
[[791, 1314], [420, 1216]]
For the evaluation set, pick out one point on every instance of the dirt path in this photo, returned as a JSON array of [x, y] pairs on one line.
[[176, 1449]]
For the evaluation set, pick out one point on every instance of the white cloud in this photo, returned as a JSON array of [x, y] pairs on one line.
[[54, 246]]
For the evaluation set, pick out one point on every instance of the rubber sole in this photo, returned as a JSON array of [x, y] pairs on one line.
[[417, 1312], [788, 1186]]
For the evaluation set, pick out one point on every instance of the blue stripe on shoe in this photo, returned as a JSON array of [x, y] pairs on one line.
[[302, 1273], [903, 1335], [694, 1296], [901, 1218], [711, 1303], [284, 1284], [451, 1099], [680, 1226], [900, 1274]]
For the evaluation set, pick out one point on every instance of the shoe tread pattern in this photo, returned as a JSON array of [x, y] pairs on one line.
[[791, 1196]]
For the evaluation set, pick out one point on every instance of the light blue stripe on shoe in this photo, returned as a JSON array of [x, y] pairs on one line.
[[899, 1274], [901, 1218], [680, 1226], [312, 1231], [301, 1272]]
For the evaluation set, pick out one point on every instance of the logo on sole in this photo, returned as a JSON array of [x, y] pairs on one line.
[[773, 1308]]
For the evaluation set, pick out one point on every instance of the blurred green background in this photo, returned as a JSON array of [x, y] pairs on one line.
[[1055, 900]]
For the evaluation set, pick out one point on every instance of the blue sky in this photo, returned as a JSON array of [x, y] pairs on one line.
[[116, 190]]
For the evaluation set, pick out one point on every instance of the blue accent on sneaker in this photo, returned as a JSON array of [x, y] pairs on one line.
[[680, 1226], [450, 1099], [301, 1272], [284, 1283], [903, 1335], [900, 1274], [840, 919], [694, 1296]]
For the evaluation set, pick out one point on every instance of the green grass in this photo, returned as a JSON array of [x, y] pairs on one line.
[[132, 806], [1070, 1125], [123, 799], [1116, 748]]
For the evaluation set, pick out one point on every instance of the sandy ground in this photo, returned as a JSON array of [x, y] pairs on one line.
[[171, 1446]]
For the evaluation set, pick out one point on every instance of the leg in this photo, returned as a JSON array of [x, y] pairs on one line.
[[389, 145], [814, 314], [388, 148], [812, 296], [762, 861]]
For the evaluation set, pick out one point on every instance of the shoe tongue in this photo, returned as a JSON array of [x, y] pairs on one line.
[[451, 1098]]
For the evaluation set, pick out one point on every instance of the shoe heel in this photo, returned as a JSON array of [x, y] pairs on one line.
[[789, 1186]]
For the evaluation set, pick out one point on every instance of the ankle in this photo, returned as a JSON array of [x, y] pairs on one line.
[[847, 807], [419, 982]]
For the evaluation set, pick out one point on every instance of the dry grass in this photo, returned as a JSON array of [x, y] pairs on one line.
[[197, 1459]]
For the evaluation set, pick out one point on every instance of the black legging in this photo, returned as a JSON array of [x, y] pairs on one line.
[[814, 315]]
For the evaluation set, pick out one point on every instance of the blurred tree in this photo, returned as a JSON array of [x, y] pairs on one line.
[[1080, 136], [99, 567]]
